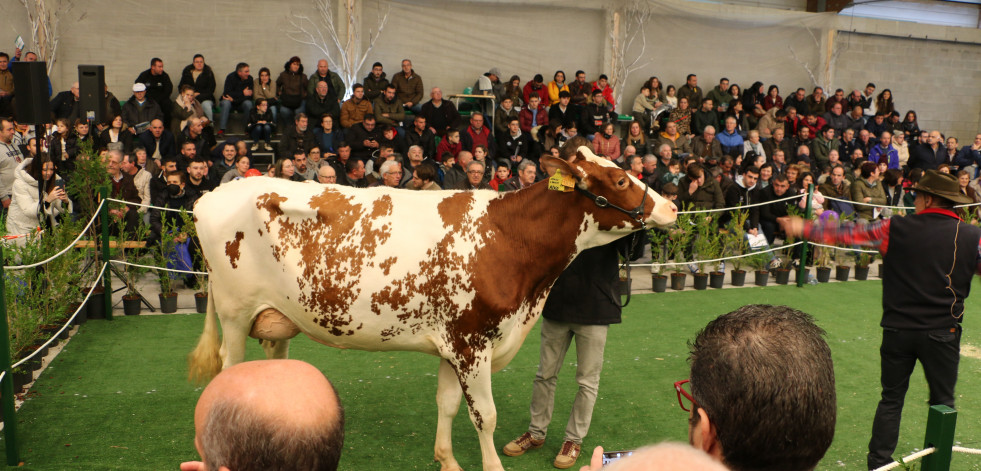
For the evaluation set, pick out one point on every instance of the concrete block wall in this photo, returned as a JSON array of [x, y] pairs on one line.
[[938, 79]]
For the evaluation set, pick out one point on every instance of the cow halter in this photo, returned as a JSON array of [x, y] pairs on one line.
[[637, 214]]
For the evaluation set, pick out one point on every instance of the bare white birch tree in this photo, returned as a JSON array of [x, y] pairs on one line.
[[344, 49], [822, 73], [45, 17], [627, 22]]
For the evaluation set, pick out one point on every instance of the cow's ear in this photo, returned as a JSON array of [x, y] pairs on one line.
[[549, 162]]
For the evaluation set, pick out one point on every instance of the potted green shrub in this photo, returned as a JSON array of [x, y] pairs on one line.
[[734, 245], [162, 254], [841, 270], [862, 265], [132, 300], [201, 296], [822, 257], [659, 256], [759, 262], [680, 239]]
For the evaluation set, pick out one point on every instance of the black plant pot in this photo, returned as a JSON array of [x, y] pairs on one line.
[[22, 378], [824, 274], [678, 281], [83, 314], [701, 281], [624, 287], [716, 279], [861, 273], [659, 283], [738, 277], [782, 276], [762, 277], [841, 272], [201, 301], [132, 305], [168, 303], [807, 273], [97, 304]]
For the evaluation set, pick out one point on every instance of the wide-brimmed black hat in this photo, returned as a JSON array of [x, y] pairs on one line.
[[943, 185]]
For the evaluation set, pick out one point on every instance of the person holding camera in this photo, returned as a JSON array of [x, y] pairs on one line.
[[24, 214]]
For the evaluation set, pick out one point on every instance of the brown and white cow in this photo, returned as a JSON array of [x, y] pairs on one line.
[[459, 275]]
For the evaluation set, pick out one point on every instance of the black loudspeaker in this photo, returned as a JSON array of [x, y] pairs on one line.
[[92, 92], [31, 93]]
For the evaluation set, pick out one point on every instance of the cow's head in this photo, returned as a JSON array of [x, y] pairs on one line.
[[620, 202]]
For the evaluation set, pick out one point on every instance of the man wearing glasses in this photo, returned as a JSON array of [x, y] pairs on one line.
[[761, 394], [475, 178]]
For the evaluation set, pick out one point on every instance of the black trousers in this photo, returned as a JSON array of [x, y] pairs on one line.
[[939, 353]]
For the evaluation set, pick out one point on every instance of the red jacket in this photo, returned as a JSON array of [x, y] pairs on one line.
[[445, 147], [541, 92], [524, 117], [607, 95]]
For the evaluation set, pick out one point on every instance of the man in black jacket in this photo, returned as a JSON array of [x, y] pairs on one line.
[[928, 155], [928, 260], [237, 95], [583, 303], [159, 87]]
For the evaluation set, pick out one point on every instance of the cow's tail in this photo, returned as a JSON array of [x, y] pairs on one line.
[[204, 362]]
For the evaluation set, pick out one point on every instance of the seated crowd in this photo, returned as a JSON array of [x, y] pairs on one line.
[[721, 148]]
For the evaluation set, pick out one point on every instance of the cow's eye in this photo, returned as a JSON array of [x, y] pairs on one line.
[[622, 182]]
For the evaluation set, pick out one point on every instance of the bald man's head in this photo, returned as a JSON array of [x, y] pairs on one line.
[[269, 414], [667, 457]]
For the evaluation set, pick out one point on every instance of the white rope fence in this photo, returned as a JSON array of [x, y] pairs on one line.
[[154, 267], [63, 251], [68, 322], [696, 262], [150, 206], [735, 208], [907, 459]]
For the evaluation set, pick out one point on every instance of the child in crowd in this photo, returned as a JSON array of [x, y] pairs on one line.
[[449, 145], [674, 173]]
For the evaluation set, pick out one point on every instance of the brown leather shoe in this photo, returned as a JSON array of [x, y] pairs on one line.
[[567, 455], [520, 445]]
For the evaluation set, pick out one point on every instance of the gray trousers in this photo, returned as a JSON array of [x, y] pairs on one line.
[[556, 338]]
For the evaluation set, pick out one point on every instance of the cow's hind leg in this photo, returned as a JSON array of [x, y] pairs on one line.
[[476, 385], [448, 395]]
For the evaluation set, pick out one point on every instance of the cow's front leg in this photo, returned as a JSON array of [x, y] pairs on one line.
[[476, 384], [448, 395]]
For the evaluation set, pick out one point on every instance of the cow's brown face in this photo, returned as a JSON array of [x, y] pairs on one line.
[[605, 179]]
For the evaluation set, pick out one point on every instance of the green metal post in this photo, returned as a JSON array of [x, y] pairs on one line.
[[802, 269], [7, 385], [104, 243], [941, 422]]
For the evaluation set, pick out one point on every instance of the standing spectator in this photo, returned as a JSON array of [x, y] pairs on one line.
[[440, 114], [201, 79], [582, 305], [123, 188], [159, 87], [335, 86], [408, 87], [291, 86], [10, 159]]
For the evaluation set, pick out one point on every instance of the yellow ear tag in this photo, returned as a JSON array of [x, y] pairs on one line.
[[560, 182]]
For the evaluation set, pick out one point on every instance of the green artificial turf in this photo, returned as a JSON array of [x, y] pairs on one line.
[[117, 398]]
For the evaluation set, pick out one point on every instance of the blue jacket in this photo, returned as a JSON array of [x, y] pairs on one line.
[[877, 152], [731, 143]]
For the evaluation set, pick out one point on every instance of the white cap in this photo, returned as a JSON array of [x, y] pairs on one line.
[[139, 87]]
